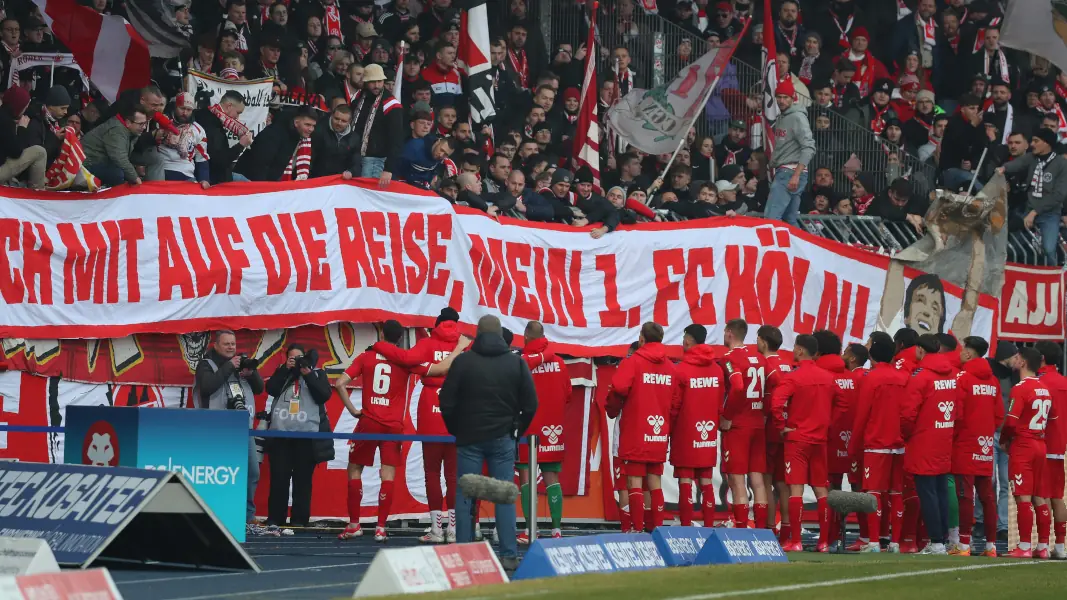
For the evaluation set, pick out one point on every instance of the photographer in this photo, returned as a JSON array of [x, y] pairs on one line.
[[228, 381], [299, 393]]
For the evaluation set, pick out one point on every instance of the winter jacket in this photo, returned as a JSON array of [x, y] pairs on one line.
[[417, 164], [553, 385], [387, 132], [803, 402], [488, 393], [842, 413], [794, 142], [746, 372], [979, 417], [927, 417], [333, 153], [110, 144], [695, 431], [1054, 189], [1056, 431], [905, 360], [778, 368], [428, 351], [13, 139], [222, 154], [876, 426], [649, 388], [271, 152]]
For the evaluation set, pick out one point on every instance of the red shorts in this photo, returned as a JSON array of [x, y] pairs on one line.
[[1026, 466], [837, 459], [744, 451], [640, 469], [855, 470], [882, 472], [1053, 479], [691, 473], [776, 461], [805, 463], [361, 452]]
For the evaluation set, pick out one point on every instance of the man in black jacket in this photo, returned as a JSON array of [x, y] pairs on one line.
[[272, 152], [222, 154], [964, 141], [487, 398]]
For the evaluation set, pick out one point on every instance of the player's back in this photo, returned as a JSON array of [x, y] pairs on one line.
[[1031, 405], [809, 394], [647, 385], [1056, 429], [384, 389], [877, 421], [746, 371]]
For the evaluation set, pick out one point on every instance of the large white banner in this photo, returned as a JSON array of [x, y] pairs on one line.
[[172, 258], [257, 93], [54, 60]]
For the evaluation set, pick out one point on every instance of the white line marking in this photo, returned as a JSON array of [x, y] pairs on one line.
[[264, 572], [256, 593], [851, 580]]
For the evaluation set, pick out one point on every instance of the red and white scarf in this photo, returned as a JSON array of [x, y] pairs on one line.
[[863, 203], [351, 94], [979, 36], [1061, 91], [1061, 127], [299, 167], [332, 20], [843, 39], [69, 170], [1009, 121], [805, 68], [11, 52], [1002, 65], [864, 78], [877, 122], [929, 31], [790, 41], [521, 66], [902, 10], [234, 126]]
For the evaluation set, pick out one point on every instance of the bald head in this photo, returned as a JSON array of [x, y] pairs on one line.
[[534, 331], [467, 181], [489, 324]]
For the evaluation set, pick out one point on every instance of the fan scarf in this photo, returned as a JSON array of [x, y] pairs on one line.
[[234, 126], [300, 163], [1038, 181]]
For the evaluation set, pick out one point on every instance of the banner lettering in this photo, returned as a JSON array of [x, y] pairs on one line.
[[1032, 304]]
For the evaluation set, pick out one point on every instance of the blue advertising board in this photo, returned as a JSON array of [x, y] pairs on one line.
[[632, 551], [739, 546], [590, 554], [209, 448], [679, 546], [77, 510]]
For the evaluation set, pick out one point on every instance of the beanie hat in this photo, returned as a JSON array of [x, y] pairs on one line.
[[1046, 135], [860, 32], [16, 99], [1005, 350], [57, 96], [785, 88], [572, 92], [447, 314]]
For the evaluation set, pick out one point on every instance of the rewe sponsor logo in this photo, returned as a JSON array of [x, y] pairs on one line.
[[983, 389], [703, 382], [944, 384], [656, 378], [846, 384], [757, 405], [548, 367]]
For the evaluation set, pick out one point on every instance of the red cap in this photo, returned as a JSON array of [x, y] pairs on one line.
[[572, 92], [16, 99], [785, 88], [860, 32], [725, 6]]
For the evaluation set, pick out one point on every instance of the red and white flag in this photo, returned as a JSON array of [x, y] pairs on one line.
[[587, 133], [770, 80], [474, 54], [106, 47]]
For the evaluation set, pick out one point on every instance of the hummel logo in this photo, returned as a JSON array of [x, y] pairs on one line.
[[946, 407], [846, 436], [788, 468], [726, 456], [705, 427], [656, 421], [552, 432], [866, 471], [986, 441], [1018, 479]]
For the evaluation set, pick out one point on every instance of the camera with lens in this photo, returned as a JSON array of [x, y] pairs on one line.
[[237, 402], [309, 360], [248, 363]]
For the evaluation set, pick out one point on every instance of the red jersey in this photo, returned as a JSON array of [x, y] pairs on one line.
[[384, 387], [842, 413], [980, 412], [905, 360], [747, 373], [778, 367], [876, 425], [695, 431], [649, 388], [928, 417], [553, 384], [1056, 430], [428, 351], [1028, 414], [806, 395]]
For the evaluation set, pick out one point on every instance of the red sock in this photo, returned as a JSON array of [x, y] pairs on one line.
[[385, 502], [1044, 523], [796, 513], [1061, 531], [911, 519], [1025, 520], [657, 508], [707, 493], [824, 520], [355, 499], [760, 512], [785, 533], [625, 523], [740, 516], [730, 509], [685, 503], [637, 511], [874, 519], [966, 519], [896, 517], [649, 520]]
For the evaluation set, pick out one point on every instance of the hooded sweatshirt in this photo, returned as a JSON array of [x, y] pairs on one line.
[[803, 402], [488, 393], [427, 352], [876, 426], [695, 431], [650, 389], [842, 414], [927, 417], [979, 416], [1056, 431], [553, 384], [794, 142]]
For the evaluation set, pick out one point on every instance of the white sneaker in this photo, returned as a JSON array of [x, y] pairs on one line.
[[436, 536], [871, 547], [893, 548], [934, 549], [556, 533], [1058, 554], [496, 536], [380, 534], [477, 532], [450, 535]]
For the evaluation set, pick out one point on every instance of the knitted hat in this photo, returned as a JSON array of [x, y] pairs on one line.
[[230, 74], [860, 32], [184, 100], [447, 314], [925, 95], [1046, 135], [1005, 350], [562, 176], [16, 99], [572, 92], [583, 175], [883, 85], [785, 88], [57, 96]]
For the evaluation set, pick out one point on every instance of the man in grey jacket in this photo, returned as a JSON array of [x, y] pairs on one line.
[[108, 147], [794, 147], [1048, 188]]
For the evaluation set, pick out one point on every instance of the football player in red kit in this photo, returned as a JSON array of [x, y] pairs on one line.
[[1023, 437], [877, 443], [801, 407], [743, 423], [553, 384], [695, 432], [1055, 440], [622, 493], [768, 341], [647, 389], [977, 420], [427, 352], [906, 357], [384, 390], [927, 420]]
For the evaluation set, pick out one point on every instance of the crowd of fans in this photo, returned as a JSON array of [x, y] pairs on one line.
[[927, 80]]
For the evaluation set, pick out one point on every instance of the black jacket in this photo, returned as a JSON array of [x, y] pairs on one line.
[[488, 393], [208, 381], [270, 152], [218, 147], [962, 141], [332, 154], [12, 137]]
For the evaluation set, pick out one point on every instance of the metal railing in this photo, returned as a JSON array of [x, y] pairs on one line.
[[654, 42]]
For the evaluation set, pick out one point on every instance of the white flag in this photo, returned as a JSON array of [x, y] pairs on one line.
[[656, 120], [1038, 27], [208, 90]]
